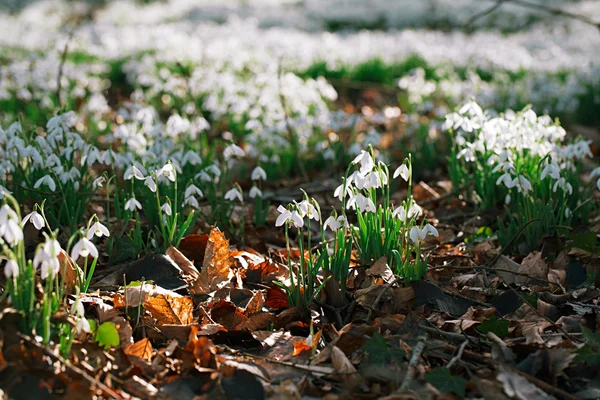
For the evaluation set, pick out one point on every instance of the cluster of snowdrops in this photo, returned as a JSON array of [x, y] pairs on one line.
[[518, 159]]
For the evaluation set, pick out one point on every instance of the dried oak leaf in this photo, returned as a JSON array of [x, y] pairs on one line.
[[170, 310], [140, 349], [216, 267], [200, 347], [276, 299], [69, 271], [227, 314], [193, 247], [533, 266]]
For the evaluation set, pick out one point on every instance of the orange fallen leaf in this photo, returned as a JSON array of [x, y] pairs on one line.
[[201, 347], [170, 310], [309, 344], [140, 349], [276, 299], [193, 247], [216, 267]]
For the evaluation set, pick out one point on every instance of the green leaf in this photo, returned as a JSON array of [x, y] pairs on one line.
[[445, 382], [93, 325], [379, 352], [585, 241], [107, 335], [125, 250], [499, 327], [590, 352]]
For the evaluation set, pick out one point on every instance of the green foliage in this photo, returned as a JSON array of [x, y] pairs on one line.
[[590, 352], [107, 335], [499, 327], [445, 382], [378, 351]]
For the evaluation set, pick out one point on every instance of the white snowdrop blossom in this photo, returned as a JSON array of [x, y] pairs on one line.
[[287, 216], [150, 183], [234, 194], [364, 204], [97, 229], [36, 219], [84, 248], [45, 180], [255, 192], [98, 182], [11, 269], [307, 209], [335, 224], [402, 171], [417, 234], [233, 150], [168, 171], [10, 230], [339, 191], [400, 213], [552, 170], [365, 160], [258, 174], [166, 208], [192, 202], [132, 204], [83, 325], [46, 258], [193, 190], [133, 172]]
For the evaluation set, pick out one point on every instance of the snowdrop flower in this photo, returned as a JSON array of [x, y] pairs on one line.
[[255, 192], [166, 208], [150, 183], [366, 162], [414, 210], [132, 204], [167, 170], [401, 171], [334, 223], [193, 190], [363, 203], [564, 185], [258, 174], [307, 209], [233, 194], [46, 255], [399, 213], [97, 229], [506, 179], [83, 325], [191, 201], [203, 176], [84, 248], [46, 180], [522, 184], [99, 182], [9, 227], [293, 217], [36, 219], [192, 158], [552, 170], [11, 269], [417, 234], [233, 150], [133, 172]]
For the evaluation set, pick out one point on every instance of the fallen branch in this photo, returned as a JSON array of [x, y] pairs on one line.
[[413, 363]]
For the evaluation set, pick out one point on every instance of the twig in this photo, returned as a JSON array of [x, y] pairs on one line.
[[560, 328], [110, 392], [458, 355], [335, 311], [63, 59], [483, 13], [535, 6], [413, 363], [492, 269], [459, 337]]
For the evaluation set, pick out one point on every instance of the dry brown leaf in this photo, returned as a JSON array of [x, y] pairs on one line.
[[69, 271], [381, 268], [216, 268], [506, 263], [184, 264], [533, 266], [344, 367], [255, 304], [170, 310], [140, 349]]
